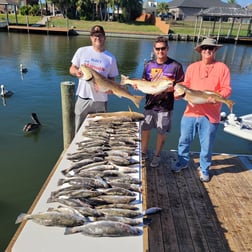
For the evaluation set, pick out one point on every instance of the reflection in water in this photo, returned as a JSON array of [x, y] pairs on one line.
[[4, 101], [34, 135], [237, 57]]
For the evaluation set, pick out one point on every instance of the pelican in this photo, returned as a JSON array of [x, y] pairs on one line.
[[5, 93], [23, 69], [32, 126]]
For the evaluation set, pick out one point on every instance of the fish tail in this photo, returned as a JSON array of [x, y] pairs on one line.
[[230, 105], [71, 230], [61, 181], [22, 217], [137, 100], [124, 79], [50, 200], [152, 210]]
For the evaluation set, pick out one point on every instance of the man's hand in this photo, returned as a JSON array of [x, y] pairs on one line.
[[79, 73]]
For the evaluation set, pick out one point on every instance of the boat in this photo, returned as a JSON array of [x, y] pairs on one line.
[[239, 126]]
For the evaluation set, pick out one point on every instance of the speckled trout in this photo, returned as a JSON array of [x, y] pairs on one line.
[[199, 97], [149, 87], [105, 228], [104, 84]]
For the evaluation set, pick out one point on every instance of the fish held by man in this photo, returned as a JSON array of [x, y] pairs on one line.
[[104, 85], [149, 87], [199, 97]]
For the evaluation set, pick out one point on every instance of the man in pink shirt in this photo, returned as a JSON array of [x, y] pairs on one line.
[[206, 74]]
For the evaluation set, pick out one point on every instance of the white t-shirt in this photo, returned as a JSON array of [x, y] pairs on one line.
[[103, 62]]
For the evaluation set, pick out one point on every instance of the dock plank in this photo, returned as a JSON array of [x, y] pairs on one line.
[[197, 216]]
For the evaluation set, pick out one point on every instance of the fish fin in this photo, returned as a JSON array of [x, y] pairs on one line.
[[22, 217], [50, 200], [61, 181], [124, 79], [147, 221], [230, 105], [137, 100], [152, 210], [69, 230], [130, 110]]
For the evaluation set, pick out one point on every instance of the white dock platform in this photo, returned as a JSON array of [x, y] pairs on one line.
[[31, 237]]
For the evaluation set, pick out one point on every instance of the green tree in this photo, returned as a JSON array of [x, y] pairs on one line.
[[131, 9], [231, 1], [162, 8], [25, 10], [67, 7]]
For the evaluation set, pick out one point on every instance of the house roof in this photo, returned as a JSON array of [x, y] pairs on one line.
[[226, 12], [197, 4]]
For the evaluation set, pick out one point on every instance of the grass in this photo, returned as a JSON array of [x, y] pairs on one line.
[[176, 27]]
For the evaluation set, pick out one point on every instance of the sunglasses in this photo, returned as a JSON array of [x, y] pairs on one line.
[[160, 48], [206, 47]]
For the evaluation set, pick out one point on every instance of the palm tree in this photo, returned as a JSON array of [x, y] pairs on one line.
[[162, 8]]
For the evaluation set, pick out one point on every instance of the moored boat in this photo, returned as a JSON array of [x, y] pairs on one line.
[[239, 126]]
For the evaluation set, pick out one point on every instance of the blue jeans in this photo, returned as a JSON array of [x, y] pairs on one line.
[[206, 131]]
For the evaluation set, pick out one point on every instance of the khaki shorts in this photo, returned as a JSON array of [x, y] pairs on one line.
[[83, 107], [160, 120]]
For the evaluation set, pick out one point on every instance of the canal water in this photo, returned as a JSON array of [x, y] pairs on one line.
[[26, 160]]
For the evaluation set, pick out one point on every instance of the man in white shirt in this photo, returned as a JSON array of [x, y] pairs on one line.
[[91, 100]]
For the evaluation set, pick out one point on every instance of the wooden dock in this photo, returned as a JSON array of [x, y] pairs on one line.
[[195, 216], [41, 30], [214, 216]]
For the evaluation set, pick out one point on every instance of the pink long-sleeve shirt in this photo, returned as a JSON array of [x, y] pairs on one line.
[[217, 79]]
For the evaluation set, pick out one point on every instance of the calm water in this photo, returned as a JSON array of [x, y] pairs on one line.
[[27, 160]]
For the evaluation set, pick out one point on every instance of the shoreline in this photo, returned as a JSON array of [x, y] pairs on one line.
[[74, 32]]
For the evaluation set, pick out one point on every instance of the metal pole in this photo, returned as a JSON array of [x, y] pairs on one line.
[[68, 102]]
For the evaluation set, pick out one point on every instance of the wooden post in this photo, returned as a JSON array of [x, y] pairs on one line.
[[68, 103], [219, 30], [238, 32], [201, 22]]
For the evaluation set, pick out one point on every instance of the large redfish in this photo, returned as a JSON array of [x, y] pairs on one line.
[[149, 87], [104, 84], [199, 97]]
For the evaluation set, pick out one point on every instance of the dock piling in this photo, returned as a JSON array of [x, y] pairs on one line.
[[68, 103]]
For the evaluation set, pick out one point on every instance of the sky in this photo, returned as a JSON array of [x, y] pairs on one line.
[[243, 3]]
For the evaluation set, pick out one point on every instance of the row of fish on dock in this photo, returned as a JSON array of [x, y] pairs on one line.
[[100, 191]]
